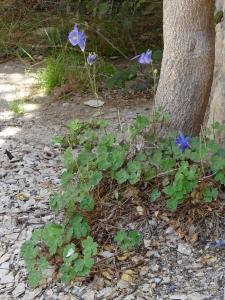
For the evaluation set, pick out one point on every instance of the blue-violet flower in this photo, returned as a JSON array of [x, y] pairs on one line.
[[77, 37], [91, 58], [183, 142], [145, 57]]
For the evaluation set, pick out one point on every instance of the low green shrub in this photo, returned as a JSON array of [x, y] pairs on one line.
[[175, 169]]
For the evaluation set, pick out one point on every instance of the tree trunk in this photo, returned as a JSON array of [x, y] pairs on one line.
[[217, 99], [188, 61]]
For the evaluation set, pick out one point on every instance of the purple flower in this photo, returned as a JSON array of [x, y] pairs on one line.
[[77, 37], [91, 58], [183, 142], [144, 58]]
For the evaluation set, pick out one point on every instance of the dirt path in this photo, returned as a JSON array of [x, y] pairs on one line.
[[172, 269]]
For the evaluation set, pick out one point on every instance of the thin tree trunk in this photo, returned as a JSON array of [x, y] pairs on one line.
[[188, 61], [217, 99]]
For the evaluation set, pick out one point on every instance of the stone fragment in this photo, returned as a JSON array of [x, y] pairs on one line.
[[196, 296], [178, 297], [94, 103], [155, 268], [4, 258], [147, 243], [184, 249], [4, 269], [89, 295], [122, 284], [9, 278], [3, 173], [106, 292], [19, 290]]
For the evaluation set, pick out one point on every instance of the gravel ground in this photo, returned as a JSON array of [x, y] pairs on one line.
[[169, 269]]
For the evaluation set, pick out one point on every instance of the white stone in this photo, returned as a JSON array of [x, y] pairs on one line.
[[130, 297], [4, 258], [9, 278], [147, 243], [90, 295], [169, 230], [4, 269], [196, 296], [155, 268], [166, 279], [178, 297], [184, 249], [106, 292], [107, 254], [122, 284], [94, 103], [19, 290]]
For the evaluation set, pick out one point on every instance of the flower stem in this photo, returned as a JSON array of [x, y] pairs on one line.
[[91, 79]]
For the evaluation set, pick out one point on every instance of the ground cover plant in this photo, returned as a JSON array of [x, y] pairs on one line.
[[174, 170]]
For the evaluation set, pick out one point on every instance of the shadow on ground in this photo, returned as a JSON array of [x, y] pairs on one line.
[[46, 116]]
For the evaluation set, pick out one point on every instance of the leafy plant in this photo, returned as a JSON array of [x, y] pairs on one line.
[[17, 107], [127, 239], [62, 67], [175, 167], [119, 78]]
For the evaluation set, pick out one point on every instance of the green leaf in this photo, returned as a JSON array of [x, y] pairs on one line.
[[210, 194], [141, 157], [79, 225], [121, 176], [43, 263], [134, 177], [67, 272], [85, 158], [155, 195], [90, 248], [75, 125], [172, 204], [218, 162], [34, 278], [58, 140], [55, 202], [120, 236], [68, 159], [107, 141], [134, 166], [117, 157], [127, 239], [52, 235], [142, 122], [134, 169], [87, 202], [29, 251], [220, 177], [103, 163], [66, 178], [149, 172], [95, 178], [157, 158], [119, 78]]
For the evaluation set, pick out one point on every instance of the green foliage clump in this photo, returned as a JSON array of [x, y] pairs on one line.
[[62, 67], [127, 239], [173, 178], [17, 107]]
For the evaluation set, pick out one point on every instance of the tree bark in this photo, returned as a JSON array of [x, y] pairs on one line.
[[188, 61], [217, 98]]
